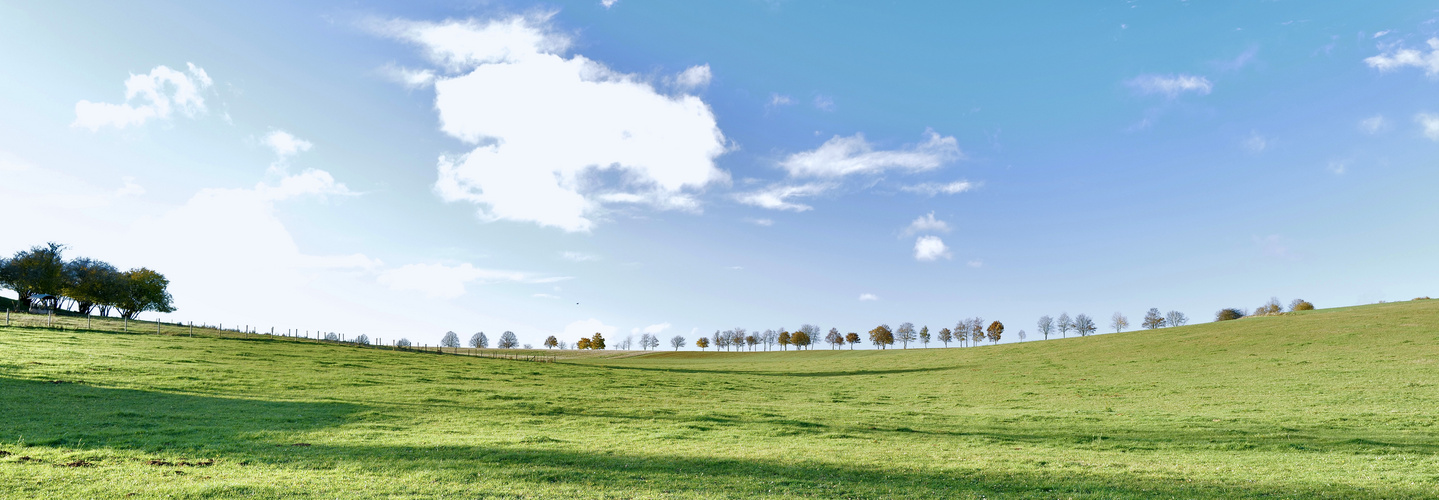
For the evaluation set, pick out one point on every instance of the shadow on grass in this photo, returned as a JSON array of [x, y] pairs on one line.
[[74, 415], [542, 467]]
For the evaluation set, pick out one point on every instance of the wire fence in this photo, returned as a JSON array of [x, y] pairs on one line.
[[69, 321]]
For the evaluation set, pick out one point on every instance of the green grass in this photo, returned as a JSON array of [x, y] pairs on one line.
[[1334, 403]]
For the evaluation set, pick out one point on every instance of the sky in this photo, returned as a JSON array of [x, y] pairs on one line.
[[403, 169]]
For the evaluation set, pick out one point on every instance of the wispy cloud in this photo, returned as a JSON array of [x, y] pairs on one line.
[[1170, 86], [778, 197], [694, 78], [1373, 125], [777, 100], [824, 103], [868, 297], [578, 256], [842, 156], [975, 263], [761, 222], [932, 189], [285, 144], [445, 281], [1256, 143]]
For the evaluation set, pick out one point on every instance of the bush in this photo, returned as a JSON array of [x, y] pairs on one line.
[[362, 339], [332, 337], [1300, 305], [402, 343], [1228, 313]]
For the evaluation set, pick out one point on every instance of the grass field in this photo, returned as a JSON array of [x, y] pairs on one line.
[[1337, 403]]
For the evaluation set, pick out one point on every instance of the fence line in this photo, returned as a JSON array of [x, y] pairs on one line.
[[68, 321]]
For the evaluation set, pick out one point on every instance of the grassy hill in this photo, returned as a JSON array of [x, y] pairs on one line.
[[1332, 403]]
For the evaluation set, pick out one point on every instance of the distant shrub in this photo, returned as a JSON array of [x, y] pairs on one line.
[[402, 343], [332, 337], [1422, 298], [1300, 305], [1228, 313], [1269, 308], [362, 339]]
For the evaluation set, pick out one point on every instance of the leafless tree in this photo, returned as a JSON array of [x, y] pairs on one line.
[[1176, 318], [904, 334], [677, 342], [1118, 322], [1065, 325], [1046, 326], [1153, 319]]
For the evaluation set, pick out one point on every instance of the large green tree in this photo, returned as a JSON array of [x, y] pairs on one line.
[[92, 283], [37, 271], [145, 290]]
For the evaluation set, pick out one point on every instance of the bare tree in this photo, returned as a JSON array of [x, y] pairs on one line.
[[737, 338], [1021, 335], [945, 336], [811, 332], [961, 331], [976, 330], [1175, 318], [1084, 325], [644, 341], [479, 340], [905, 334], [834, 338], [1046, 326], [720, 339], [403, 342], [1065, 325], [677, 342], [1118, 322], [509, 341], [450, 340], [769, 338], [1153, 319]]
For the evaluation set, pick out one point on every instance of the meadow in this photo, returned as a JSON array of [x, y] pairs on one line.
[[1334, 403]]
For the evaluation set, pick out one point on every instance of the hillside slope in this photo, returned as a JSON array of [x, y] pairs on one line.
[[1330, 403]]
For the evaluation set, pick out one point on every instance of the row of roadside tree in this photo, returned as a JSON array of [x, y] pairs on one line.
[[43, 279]]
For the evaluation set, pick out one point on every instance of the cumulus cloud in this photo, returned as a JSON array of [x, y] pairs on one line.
[[926, 224], [410, 78], [1430, 124], [284, 144], [777, 197], [448, 282], [868, 297], [1393, 60], [154, 95], [1170, 85], [588, 327], [842, 156], [930, 248], [556, 137], [609, 3], [1373, 124], [694, 78], [932, 189]]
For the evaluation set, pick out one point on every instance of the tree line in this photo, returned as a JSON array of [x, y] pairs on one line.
[[41, 277]]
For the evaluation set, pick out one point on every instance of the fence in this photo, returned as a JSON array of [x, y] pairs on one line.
[[69, 321]]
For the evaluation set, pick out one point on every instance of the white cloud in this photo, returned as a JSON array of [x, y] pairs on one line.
[[1430, 123], [410, 78], [777, 197], [1373, 124], [1429, 62], [442, 281], [578, 256], [130, 188], [931, 189], [1170, 85], [284, 144], [868, 297], [694, 78], [309, 182], [930, 248], [609, 3], [545, 296], [1382, 33], [653, 329], [926, 224], [761, 222], [842, 156], [975, 263], [588, 327], [1338, 167], [776, 100], [824, 103], [1256, 143], [512, 93], [154, 95]]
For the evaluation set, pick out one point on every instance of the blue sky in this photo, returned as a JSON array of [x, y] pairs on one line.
[[405, 169]]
